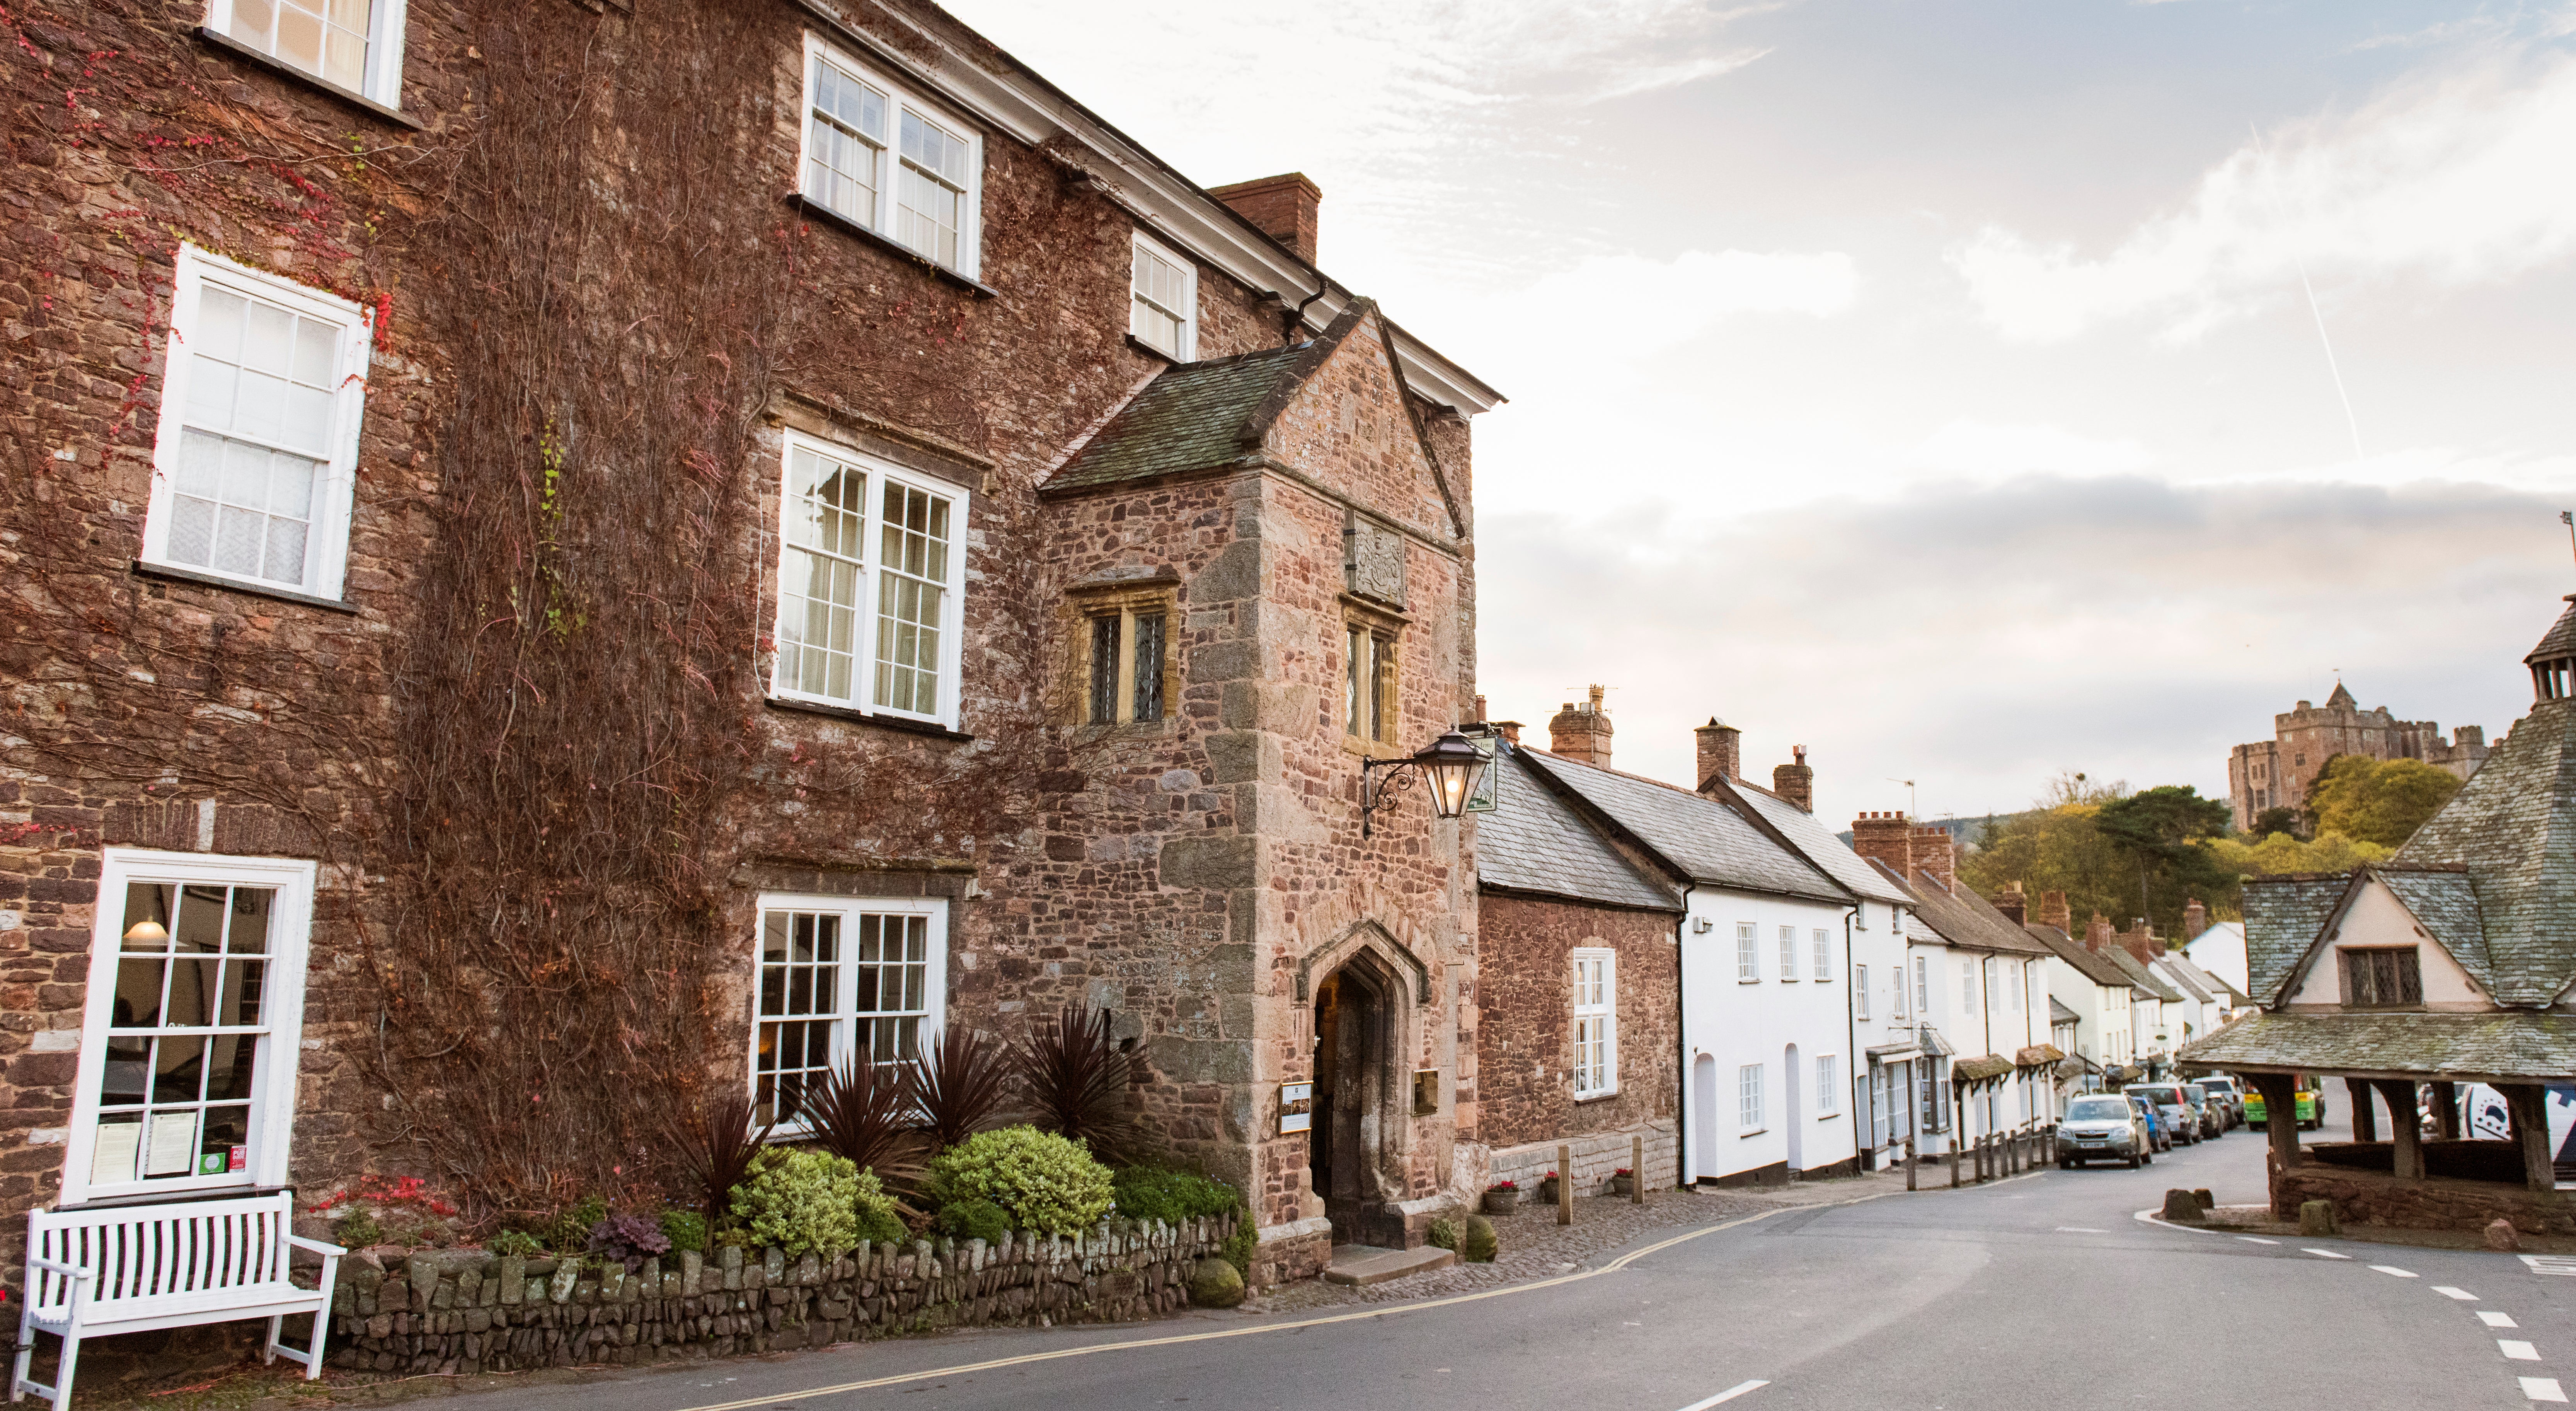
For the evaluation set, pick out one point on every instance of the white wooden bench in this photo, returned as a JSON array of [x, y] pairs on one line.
[[131, 1269]]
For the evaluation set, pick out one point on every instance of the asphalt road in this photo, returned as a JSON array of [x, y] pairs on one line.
[[2043, 1292]]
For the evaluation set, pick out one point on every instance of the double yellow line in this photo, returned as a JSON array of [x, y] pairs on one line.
[[1614, 1266]]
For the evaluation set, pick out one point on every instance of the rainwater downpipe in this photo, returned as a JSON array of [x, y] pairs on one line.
[[1681, 1048], [1296, 320], [1857, 1064]]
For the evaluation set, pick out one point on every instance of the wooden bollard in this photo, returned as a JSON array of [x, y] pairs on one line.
[[1912, 1162], [1564, 1185], [1954, 1161], [1637, 1169]]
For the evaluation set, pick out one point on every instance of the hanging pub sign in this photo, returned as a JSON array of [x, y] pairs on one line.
[[1296, 1107]]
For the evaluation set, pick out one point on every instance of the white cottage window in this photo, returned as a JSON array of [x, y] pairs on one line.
[[879, 156], [1788, 952], [261, 396], [871, 581], [1860, 992], [1596, 1023], [1748, 960], [186, 1078], [355, 45], [1823, 959], [1829, 1084], [1162, 306], [1748, 1097], [842, 978]]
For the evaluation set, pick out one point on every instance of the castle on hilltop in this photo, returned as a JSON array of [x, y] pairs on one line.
[[2276, 773]]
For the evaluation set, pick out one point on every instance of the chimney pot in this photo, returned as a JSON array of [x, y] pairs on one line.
[[1796, 782], [1721, 752], [1287, 208], [2195, 919], [1581, 733]]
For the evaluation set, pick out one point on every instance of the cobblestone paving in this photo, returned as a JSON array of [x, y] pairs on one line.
[[1534, 1246]]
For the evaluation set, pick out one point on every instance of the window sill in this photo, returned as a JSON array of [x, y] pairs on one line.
[[1587, 1099], [861, 717], [1149, 350], [1758, 1131], [178, 1197], [168, 573], [1743, 981], [816, 210], [1827, 1116], [349, 96]]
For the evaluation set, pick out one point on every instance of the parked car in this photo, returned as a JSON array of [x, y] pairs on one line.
[[2213, 1113], [2159, 1136], [2103, 1127], [2224, 1088], [2174, 1108]]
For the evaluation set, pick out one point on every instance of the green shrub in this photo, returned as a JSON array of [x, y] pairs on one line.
[[1444, 1233], [1157, 1193], [358, 1229], [1476, 1242], [974, 1219], [802, 1202], [687, 1230], [1044, 1182], [515, 1242], [569, 1232], [878, 1221]]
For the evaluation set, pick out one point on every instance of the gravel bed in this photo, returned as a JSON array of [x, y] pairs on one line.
[[1534, 1246]]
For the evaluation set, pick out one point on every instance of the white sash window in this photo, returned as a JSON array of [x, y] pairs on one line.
[[870, 585], [881, 157]]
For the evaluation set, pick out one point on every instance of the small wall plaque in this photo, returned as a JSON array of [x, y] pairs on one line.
[[1296, 1107], [1426, 1092]]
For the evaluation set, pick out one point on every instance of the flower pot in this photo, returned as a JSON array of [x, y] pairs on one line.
[[1623, 1185], [1547, 1192], [1502, 1202]]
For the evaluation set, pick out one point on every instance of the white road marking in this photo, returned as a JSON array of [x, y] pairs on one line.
[[2392, 1269], [2463, 1295], [2493, 1319], [1729, 1394], [2518, 1351], [2325, 1254], [2256, 1239], [2542, 1389], [2551, 1263], [2080, 1230]]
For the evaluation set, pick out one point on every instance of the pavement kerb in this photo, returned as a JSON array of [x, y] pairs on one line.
[[2151, 1217], [1381, 1311]]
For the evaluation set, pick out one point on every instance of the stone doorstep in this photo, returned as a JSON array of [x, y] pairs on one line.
[[1361, 1265]]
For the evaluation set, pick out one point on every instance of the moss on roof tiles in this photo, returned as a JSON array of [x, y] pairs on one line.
[[2513, 826], [1192, 417], [2512, 1046], [1534, 841]]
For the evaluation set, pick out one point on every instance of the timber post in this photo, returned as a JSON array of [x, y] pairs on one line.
[[2405, 1129], [2280, 1123], [2365, 1117], [1637, 1169], [1912, 1163], [2446, 1110], [1564, 1184], [2529, 1105]]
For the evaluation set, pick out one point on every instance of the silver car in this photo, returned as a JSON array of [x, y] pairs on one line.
[[2102, 1127], [2225, 1090]]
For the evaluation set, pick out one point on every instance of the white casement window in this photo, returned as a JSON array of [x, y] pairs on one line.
[[1968, 985], [1163, 301], [1596, 1023], [2013, 980], [1922, 985], [351, 44], [842, 978], [188, 1043], [1748, 1097], [1788, 952], [877, 155], [261, 397], [1822, 960], [870, 584], [1748, 959], [1829, 1084], [1860, 992]]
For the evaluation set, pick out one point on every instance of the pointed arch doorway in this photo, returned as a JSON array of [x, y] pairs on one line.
[[1360, 1106]]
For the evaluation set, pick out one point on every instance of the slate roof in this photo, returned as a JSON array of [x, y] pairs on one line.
[[1192, 417], [2561, 640], [2087, 964], [2139, 977], [1963, 918], [2282, 917], [2446, 902], [2513, 1046], [1981, 1069], [2058, 1013], [1697, 837], [1818, 845], [1534, 841], [2166, 969], [2211, 986], [2513, 825]]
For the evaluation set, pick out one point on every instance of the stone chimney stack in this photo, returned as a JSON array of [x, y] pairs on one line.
[[2012, 903], [2053, 912], [2195, 918], [1796, 782], [2141, 941], [2098, 933], [1581, 732], [1721, 752], [1286, 208], [1893, 839], [1508, 729], [1936, 853]]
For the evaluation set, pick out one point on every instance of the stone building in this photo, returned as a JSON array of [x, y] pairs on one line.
[[549, 627], [2451, 963], [2276, 773]]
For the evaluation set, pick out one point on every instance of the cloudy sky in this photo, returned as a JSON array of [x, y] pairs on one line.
[[1938, 386]]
